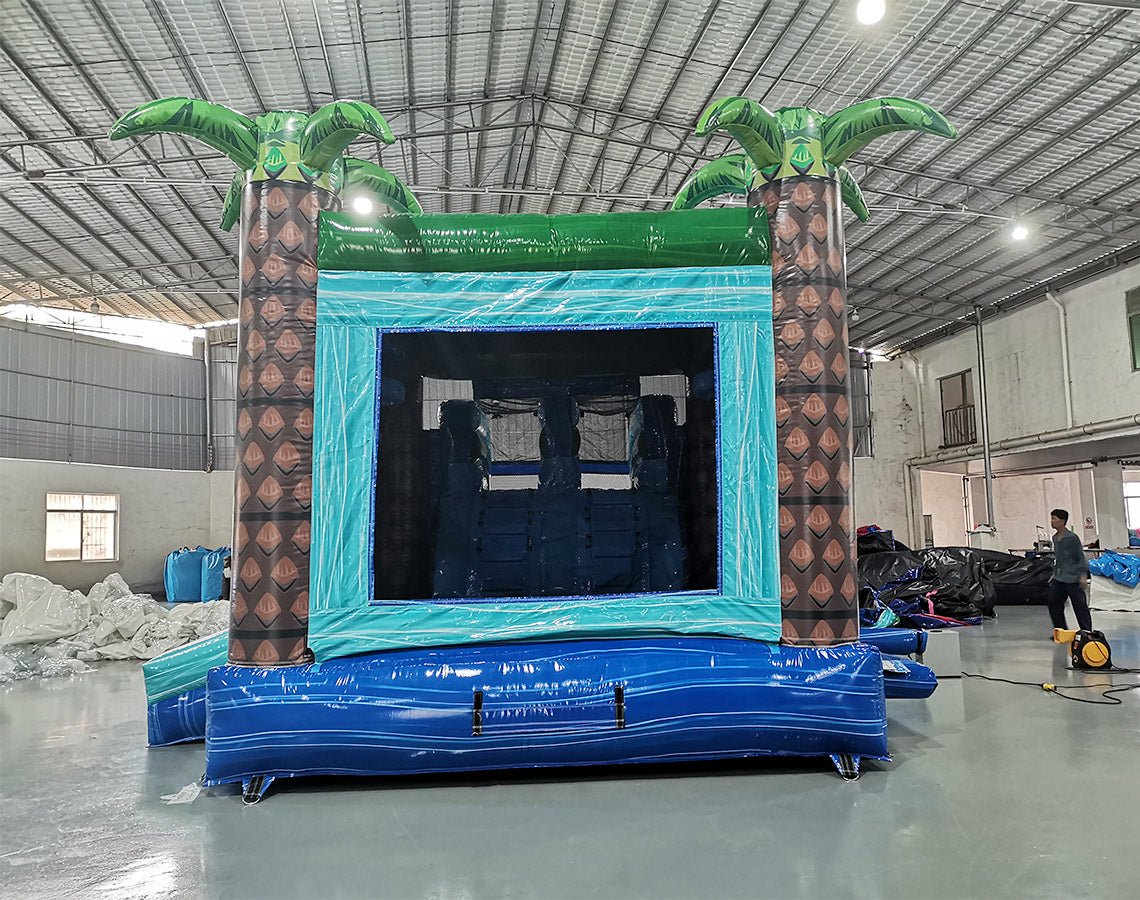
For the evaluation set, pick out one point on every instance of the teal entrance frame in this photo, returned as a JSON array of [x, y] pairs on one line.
[[355, 309]]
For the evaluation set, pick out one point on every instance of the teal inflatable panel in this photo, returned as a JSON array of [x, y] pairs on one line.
[[356, 309]]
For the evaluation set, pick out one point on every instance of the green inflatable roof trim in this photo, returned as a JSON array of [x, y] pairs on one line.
[[479, 242]]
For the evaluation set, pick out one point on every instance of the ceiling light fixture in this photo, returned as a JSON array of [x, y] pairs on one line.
[[1018, 232], [362, 205], [869, 12], [854, 314]]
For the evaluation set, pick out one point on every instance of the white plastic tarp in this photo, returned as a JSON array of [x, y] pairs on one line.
[[1105, 594], [46, 629]]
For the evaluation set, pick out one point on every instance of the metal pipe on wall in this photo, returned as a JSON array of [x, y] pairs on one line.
[[1126, 424], [208, 383], [919, 390], [908, 499], [1066, 372], [983, 407]]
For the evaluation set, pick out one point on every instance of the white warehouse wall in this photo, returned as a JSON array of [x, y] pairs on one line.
[[221, 508], [1022, 502], [1023, 358], [879, 489], [1026, 396], [160, 510]]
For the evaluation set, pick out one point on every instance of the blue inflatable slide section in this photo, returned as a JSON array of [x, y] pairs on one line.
[[176, 720], [898, 641], [504, 706]]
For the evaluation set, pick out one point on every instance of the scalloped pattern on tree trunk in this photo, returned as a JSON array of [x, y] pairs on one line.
[[276, 356], [814, 443]]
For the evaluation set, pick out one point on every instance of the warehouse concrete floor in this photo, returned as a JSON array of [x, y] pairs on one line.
[[995, 791]]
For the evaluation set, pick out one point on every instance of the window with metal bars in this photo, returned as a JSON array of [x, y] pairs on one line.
[[82, 527], [959, 424]]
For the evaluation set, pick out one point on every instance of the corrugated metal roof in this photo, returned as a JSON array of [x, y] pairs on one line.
[[574, 105]]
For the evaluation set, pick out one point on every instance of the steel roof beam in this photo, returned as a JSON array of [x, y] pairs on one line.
[[599, 159], [1074, 50], [566, 154], [515, 149], [987, 256], [1074, 276], [102, 97], [68, 214], [984, 187], [983, 30], [979, 298], [480, 142], [1090, 269], [363, 53], [115, 270], [409, 75], [699, 34], [449, 95], [312, 104], [180, 50], [11, 286], [806, 42], [33, 253], [262, 106], [334, 93], [716, 89]]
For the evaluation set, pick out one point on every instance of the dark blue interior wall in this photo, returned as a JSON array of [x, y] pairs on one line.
[[698, 493], [403, 504], [559, 539]]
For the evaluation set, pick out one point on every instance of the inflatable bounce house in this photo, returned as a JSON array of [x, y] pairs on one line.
[[520, 491]]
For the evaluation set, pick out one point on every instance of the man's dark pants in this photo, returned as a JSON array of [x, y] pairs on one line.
[[1058, 592]]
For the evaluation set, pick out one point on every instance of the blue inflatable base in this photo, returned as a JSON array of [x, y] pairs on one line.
[[905, 679], [531, 705]]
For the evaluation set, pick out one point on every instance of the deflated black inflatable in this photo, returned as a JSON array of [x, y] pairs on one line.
[[1017, 579], [944, 581], [964, 584], [888, 576], [878, 542]]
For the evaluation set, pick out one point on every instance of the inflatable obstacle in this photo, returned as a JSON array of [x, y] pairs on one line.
[[523, 490]]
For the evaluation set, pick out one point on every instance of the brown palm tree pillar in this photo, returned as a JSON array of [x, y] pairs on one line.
[[291, 166], [818, 591], [274, 450]]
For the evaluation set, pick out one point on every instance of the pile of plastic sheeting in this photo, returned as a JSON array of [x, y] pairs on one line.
[[47, 630]]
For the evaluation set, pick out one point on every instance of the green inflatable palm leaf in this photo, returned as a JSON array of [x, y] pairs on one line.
[[851, 129], [231, 206], [753, 126], [387, 188], [852, 194], [217, 126], [730, 174], [335, 125]]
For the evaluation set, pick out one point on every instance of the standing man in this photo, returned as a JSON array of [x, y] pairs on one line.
[[1070, 574]]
